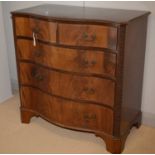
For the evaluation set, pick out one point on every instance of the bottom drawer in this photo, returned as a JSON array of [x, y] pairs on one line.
[[71, 114]]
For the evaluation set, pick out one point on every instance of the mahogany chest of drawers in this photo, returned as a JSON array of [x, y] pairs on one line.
[[82, 68]]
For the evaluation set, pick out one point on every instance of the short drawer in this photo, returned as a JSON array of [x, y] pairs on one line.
[[88, 35], [70, 86], [73, 60], [35, 28], [68, 113]]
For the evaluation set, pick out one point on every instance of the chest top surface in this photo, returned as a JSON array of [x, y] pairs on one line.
[[86, 14]]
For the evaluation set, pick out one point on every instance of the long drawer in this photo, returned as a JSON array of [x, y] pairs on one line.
[[35, 28], [74, 60], [88, 35], [68, 113], [68, 85]]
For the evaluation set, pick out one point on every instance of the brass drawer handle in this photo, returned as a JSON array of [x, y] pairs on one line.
[[36, 30], [87, 37], [89, 91], [37, 75], [38, 53], [93, 62], [86, 63], [89, 116], [84, 35]]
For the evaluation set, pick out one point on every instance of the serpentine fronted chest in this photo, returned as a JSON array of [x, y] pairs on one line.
[[82, 68]]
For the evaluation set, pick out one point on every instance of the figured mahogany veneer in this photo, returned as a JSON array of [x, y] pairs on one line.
[[88, 35], [78, 87], [82, 116], [42, 30], [82, 68], [75, 60]]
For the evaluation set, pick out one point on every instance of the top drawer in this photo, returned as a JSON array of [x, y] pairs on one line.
[[42, 30], [88, 35]]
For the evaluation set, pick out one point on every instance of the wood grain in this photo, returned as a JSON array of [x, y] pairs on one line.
[[85, 72], [74, 60], [82, 88], [43, 30], [78, 115], [88, 35]]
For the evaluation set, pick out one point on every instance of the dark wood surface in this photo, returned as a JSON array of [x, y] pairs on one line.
[[43, 30], [74, 13], [76, 115], [84, 71], [88, 35], [78, 88], [134, 66], [74, 60]]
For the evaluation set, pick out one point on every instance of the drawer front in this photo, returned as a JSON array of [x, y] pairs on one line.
[[88, 35], [42, 30], [81, 61], [68, 85], [68, 113]]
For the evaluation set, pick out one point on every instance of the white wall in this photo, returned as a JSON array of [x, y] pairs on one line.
[[148, 99], [5, 87]]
